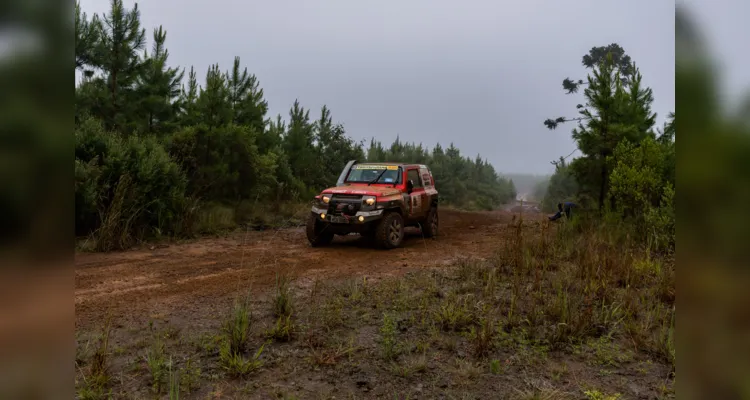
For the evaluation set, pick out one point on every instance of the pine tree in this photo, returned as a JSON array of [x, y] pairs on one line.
[[598, 55], [325, 148], [246, 98], [617, 108], [87, 37], [158, 86], [254, 107], [595, 57], [188, 102], [214, 104], [667, 133], [598, 137], [298, 144], [638, 105], [272, 138], [323, 128], [239, 85], [121, 39], [375, 153]]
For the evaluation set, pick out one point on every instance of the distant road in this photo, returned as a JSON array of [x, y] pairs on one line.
[[523, 201]]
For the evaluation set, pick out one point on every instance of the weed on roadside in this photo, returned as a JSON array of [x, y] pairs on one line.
[[466, 370], [174, 381], [190, 376], [332, 355], [283, 301], [454, 314], [236, 364], [283, 331], [411, 366], [95, 377], [237, 326], [388, 343], [158, 366]]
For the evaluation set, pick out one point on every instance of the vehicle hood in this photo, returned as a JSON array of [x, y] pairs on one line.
[[363, 190]]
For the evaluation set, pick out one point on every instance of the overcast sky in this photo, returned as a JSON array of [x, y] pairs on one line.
[[481, 74]]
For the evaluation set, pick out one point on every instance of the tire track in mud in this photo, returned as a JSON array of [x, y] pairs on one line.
[[192, 276]]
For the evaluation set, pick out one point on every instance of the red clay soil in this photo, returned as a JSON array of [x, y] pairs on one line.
[[199, 276]]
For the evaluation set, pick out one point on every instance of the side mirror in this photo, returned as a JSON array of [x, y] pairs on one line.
[[409, 186]]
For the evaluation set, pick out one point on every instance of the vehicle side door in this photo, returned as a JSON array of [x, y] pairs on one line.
[[417, 196], [429, 192]]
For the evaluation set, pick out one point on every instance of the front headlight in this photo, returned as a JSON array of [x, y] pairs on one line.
[[369, 200], [326, 199]]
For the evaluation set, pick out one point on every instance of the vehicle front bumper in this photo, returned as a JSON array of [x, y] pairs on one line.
[[366, 216]]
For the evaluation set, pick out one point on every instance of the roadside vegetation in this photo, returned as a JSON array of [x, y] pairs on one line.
[[583, 311], [625, 167]]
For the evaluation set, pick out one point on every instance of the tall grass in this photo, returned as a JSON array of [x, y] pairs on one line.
[[582, 279], [236, 330], [236, 327]]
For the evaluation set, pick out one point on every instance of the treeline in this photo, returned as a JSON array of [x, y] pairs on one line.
[[156, 156], [471, 184], [626, 166]]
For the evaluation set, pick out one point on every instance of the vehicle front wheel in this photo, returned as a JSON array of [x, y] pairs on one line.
[[430, 224], [316, 232], [390, 231]]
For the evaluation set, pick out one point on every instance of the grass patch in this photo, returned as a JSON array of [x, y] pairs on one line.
[[237, 364], [455, 313], [283, 331], [158, 366], [543, 318], [232, 349], [283, 300], [388, 343]]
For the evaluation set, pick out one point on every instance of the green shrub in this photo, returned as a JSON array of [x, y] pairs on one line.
[[224, 162], [125, 187]]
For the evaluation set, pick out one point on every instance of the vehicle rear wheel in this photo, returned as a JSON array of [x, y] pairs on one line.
[[316, 232], [430, 224], [390, 231]]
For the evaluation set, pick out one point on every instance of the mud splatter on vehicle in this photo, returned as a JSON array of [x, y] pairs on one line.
[[376, 200]]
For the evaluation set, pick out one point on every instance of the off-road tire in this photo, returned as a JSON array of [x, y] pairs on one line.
[[316, 234], [390, 231], [430, 223]]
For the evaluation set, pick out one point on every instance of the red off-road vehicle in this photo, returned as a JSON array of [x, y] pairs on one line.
[[377, 200]]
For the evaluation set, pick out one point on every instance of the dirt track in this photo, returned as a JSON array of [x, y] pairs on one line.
[[195, 278]]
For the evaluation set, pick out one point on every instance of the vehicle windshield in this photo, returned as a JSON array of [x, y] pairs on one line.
[[366, 173]]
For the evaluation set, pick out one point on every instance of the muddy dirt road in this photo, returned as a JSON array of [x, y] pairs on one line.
[[196, 277]]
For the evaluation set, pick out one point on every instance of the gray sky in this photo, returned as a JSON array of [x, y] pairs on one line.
[[481, 74]]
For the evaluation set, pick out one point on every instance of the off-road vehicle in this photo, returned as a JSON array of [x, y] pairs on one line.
[[376, 200]]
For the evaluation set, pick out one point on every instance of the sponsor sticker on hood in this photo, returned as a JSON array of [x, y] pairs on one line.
[[376, 167]]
